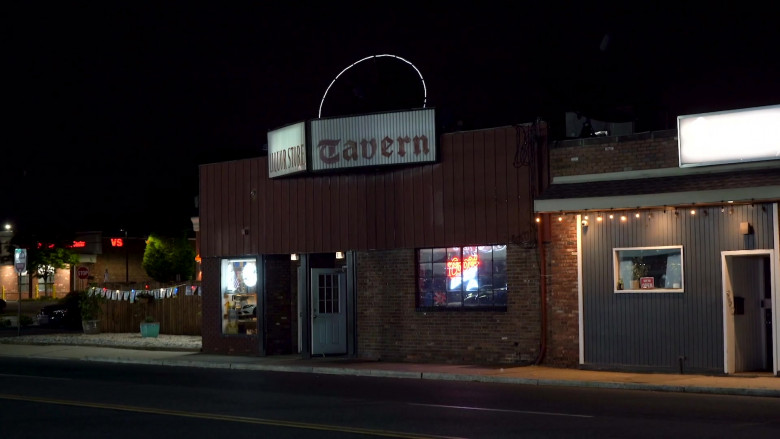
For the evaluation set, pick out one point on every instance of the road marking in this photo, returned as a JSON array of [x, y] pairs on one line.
[[227, 418], [34, 376], [525, 412]]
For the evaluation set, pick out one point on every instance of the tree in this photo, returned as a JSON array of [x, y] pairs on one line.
[[45, 255], [44, 262], [169, 259]]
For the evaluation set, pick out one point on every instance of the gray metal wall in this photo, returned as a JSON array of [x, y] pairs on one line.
[[637, 330]]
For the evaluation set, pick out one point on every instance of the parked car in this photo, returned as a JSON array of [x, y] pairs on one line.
[[63, 314]]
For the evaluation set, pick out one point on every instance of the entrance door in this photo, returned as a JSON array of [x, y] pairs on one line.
[[747, 311], [329, 314]]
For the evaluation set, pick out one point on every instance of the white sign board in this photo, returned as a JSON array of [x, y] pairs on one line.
[[737, 136], [373, 140], [287, 150], [20, 260]]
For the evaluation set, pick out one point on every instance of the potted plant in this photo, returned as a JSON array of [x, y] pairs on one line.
[[150, 327], [89, 306], [639, 270]]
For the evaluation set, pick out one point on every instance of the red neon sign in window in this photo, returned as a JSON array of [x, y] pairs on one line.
[[79, 244], [117, 242], [455, 267]]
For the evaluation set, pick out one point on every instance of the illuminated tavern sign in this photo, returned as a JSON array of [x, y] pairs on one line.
[[373, 140]]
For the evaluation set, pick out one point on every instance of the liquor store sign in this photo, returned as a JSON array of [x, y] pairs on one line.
[[287, 150]]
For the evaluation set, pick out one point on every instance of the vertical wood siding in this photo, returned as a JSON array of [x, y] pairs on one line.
[[475, 194], [655, 329]]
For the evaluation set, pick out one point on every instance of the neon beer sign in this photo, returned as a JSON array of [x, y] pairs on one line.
[[455, 267]]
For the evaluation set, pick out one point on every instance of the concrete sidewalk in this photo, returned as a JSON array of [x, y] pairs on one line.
[[753, 385]]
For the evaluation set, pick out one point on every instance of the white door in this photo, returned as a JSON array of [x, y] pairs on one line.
[[747, 311], [329, 314]]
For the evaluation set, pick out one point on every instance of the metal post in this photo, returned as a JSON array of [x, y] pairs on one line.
[[19, 309], [127, 269]]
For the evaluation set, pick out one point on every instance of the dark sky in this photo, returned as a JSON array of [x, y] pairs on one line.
[[110, 107]]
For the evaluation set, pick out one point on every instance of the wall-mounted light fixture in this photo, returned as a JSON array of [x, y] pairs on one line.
[[294, 256], [339, 255]]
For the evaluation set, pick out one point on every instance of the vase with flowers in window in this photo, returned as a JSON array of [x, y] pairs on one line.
[[638, 271]]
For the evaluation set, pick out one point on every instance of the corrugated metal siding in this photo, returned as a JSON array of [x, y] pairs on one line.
[[473, 195], [655, 329]]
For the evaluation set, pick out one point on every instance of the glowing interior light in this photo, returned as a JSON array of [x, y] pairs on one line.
[[249, 273], [538, 220], [599, 218], [623, 218], [560, 218], [611, 216], [693, 211], [637, 215]]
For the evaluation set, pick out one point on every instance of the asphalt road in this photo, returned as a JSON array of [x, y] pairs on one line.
[[85, 400]]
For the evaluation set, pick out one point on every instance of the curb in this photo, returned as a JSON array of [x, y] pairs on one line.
[[439, 376]]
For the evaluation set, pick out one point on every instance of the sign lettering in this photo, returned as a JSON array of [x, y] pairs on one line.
[[397, 138], [117, 242]]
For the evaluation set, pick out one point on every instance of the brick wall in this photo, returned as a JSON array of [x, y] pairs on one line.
[[562, 297], [9, 284], [389, 327], [597, 155], [279, 322]]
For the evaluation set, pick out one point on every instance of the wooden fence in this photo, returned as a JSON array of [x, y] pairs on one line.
[[179, 315]]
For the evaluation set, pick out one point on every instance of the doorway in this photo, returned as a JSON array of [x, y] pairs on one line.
[[329, 313], [749, 334]]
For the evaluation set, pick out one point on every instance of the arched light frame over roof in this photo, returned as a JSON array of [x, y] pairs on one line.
[[385, 55]]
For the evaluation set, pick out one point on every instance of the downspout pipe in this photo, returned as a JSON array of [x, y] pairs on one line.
[[542, 287]]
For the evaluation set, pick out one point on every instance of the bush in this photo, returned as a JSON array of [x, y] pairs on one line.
[[90, 306], [26, 320]]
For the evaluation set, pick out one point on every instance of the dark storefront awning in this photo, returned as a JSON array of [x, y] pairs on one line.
[[756, 185]]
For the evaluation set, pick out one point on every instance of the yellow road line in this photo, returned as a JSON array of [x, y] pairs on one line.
[[227, 418]]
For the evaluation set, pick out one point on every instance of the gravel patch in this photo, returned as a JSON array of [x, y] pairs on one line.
[[122, 340]]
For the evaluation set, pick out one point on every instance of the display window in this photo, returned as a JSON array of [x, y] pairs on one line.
[[462, 277], [239, 296], [648, 269]]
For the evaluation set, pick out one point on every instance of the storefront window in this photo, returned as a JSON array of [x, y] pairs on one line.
[[462, 277], [239, 296], [648, 269]]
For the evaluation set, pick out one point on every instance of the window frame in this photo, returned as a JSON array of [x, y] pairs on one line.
[[626, 289], [463, 307]]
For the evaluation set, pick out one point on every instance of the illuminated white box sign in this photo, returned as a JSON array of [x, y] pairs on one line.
[[737, 136], [287, 150], [373, 140]]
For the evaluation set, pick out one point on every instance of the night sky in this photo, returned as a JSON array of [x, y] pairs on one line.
[[111, 107]]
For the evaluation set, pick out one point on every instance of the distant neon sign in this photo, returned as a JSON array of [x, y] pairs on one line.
[[117, 242], [79, 244]]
